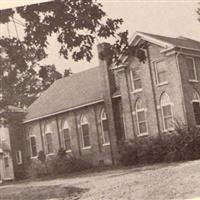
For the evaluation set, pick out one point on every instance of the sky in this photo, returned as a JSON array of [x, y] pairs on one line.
[[170, 18]]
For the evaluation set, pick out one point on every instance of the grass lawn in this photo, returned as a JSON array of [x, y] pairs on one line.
[[153, 182]]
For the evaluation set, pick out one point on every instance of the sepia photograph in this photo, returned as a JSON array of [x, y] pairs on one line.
[[99, 100]]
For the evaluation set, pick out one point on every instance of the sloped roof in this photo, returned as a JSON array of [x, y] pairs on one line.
[[76, 90], [85, 87], [178, 41]]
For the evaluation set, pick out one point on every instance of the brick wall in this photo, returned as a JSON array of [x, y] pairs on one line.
[[151, 92], [188, 87], [98, 153]]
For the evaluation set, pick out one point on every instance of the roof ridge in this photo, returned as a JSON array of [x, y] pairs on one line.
[[161, 35], [76, 74]]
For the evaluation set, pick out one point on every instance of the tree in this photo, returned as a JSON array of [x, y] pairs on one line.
[[67, 72], [77, 23], [20, 81], [48, 74]]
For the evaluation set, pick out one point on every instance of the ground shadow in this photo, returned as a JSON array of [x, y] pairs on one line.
[[42, 193]]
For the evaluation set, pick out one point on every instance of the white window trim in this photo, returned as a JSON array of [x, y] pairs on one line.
[[89, 147], [103, 134], [52, 153], [196, 101], [84, 147], [163, 119], [133, 90], [163, 83], [146, 123], [195, 70], [31, 146], [156, 73], [106, 144], [19, 162], [68, 151]]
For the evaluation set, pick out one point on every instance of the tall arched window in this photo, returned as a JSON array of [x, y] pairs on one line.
[[66, 136], [48, 139], [85, 132], [104, 127], [141, 118], [166, 109], [196, 107]]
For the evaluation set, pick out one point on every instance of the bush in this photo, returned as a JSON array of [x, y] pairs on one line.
[[37, 169], [62, 163], [128, 154], [66, 163], [181, 145]]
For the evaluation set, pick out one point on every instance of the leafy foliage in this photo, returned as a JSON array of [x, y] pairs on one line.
[[62, 163], [181, 145], [6, 15], [48, 74], [20, 80], [77, 23]]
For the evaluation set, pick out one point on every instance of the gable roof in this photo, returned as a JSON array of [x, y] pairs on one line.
[[67, 93], [85, 88], [167, 42]]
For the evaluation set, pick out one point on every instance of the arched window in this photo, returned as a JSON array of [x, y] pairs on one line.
[[85, 132], [104, 127], [166, 109], [66, 136], [48, 139], [141, 117], [196, 107]]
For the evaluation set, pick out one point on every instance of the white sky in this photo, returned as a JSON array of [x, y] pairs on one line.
[[170, 18]]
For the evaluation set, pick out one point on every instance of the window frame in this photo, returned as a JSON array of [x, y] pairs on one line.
[[104, 143], [133, 89], [137, 118], [47, 149], [82, 137], [162, 113], [194, 68], [156, 73], [196, 100], [19, 161], [31, 150], [63, 135], [6, 161], [124, 124]]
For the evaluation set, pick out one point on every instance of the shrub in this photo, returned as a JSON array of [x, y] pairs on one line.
[[62, 163], [181, 145], [128, 153], [66, 163], [37, 169]]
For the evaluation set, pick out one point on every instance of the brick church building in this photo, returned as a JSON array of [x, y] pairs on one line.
[[91, 112]]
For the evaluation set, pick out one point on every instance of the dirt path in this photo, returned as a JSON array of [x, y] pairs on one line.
[[172, 181]]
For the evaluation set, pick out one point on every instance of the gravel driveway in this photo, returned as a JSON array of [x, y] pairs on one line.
[[163, 181]]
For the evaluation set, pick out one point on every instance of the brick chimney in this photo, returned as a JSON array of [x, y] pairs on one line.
[[108, 85]]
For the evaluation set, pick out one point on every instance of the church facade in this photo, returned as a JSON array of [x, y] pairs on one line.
[[90, 113]]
